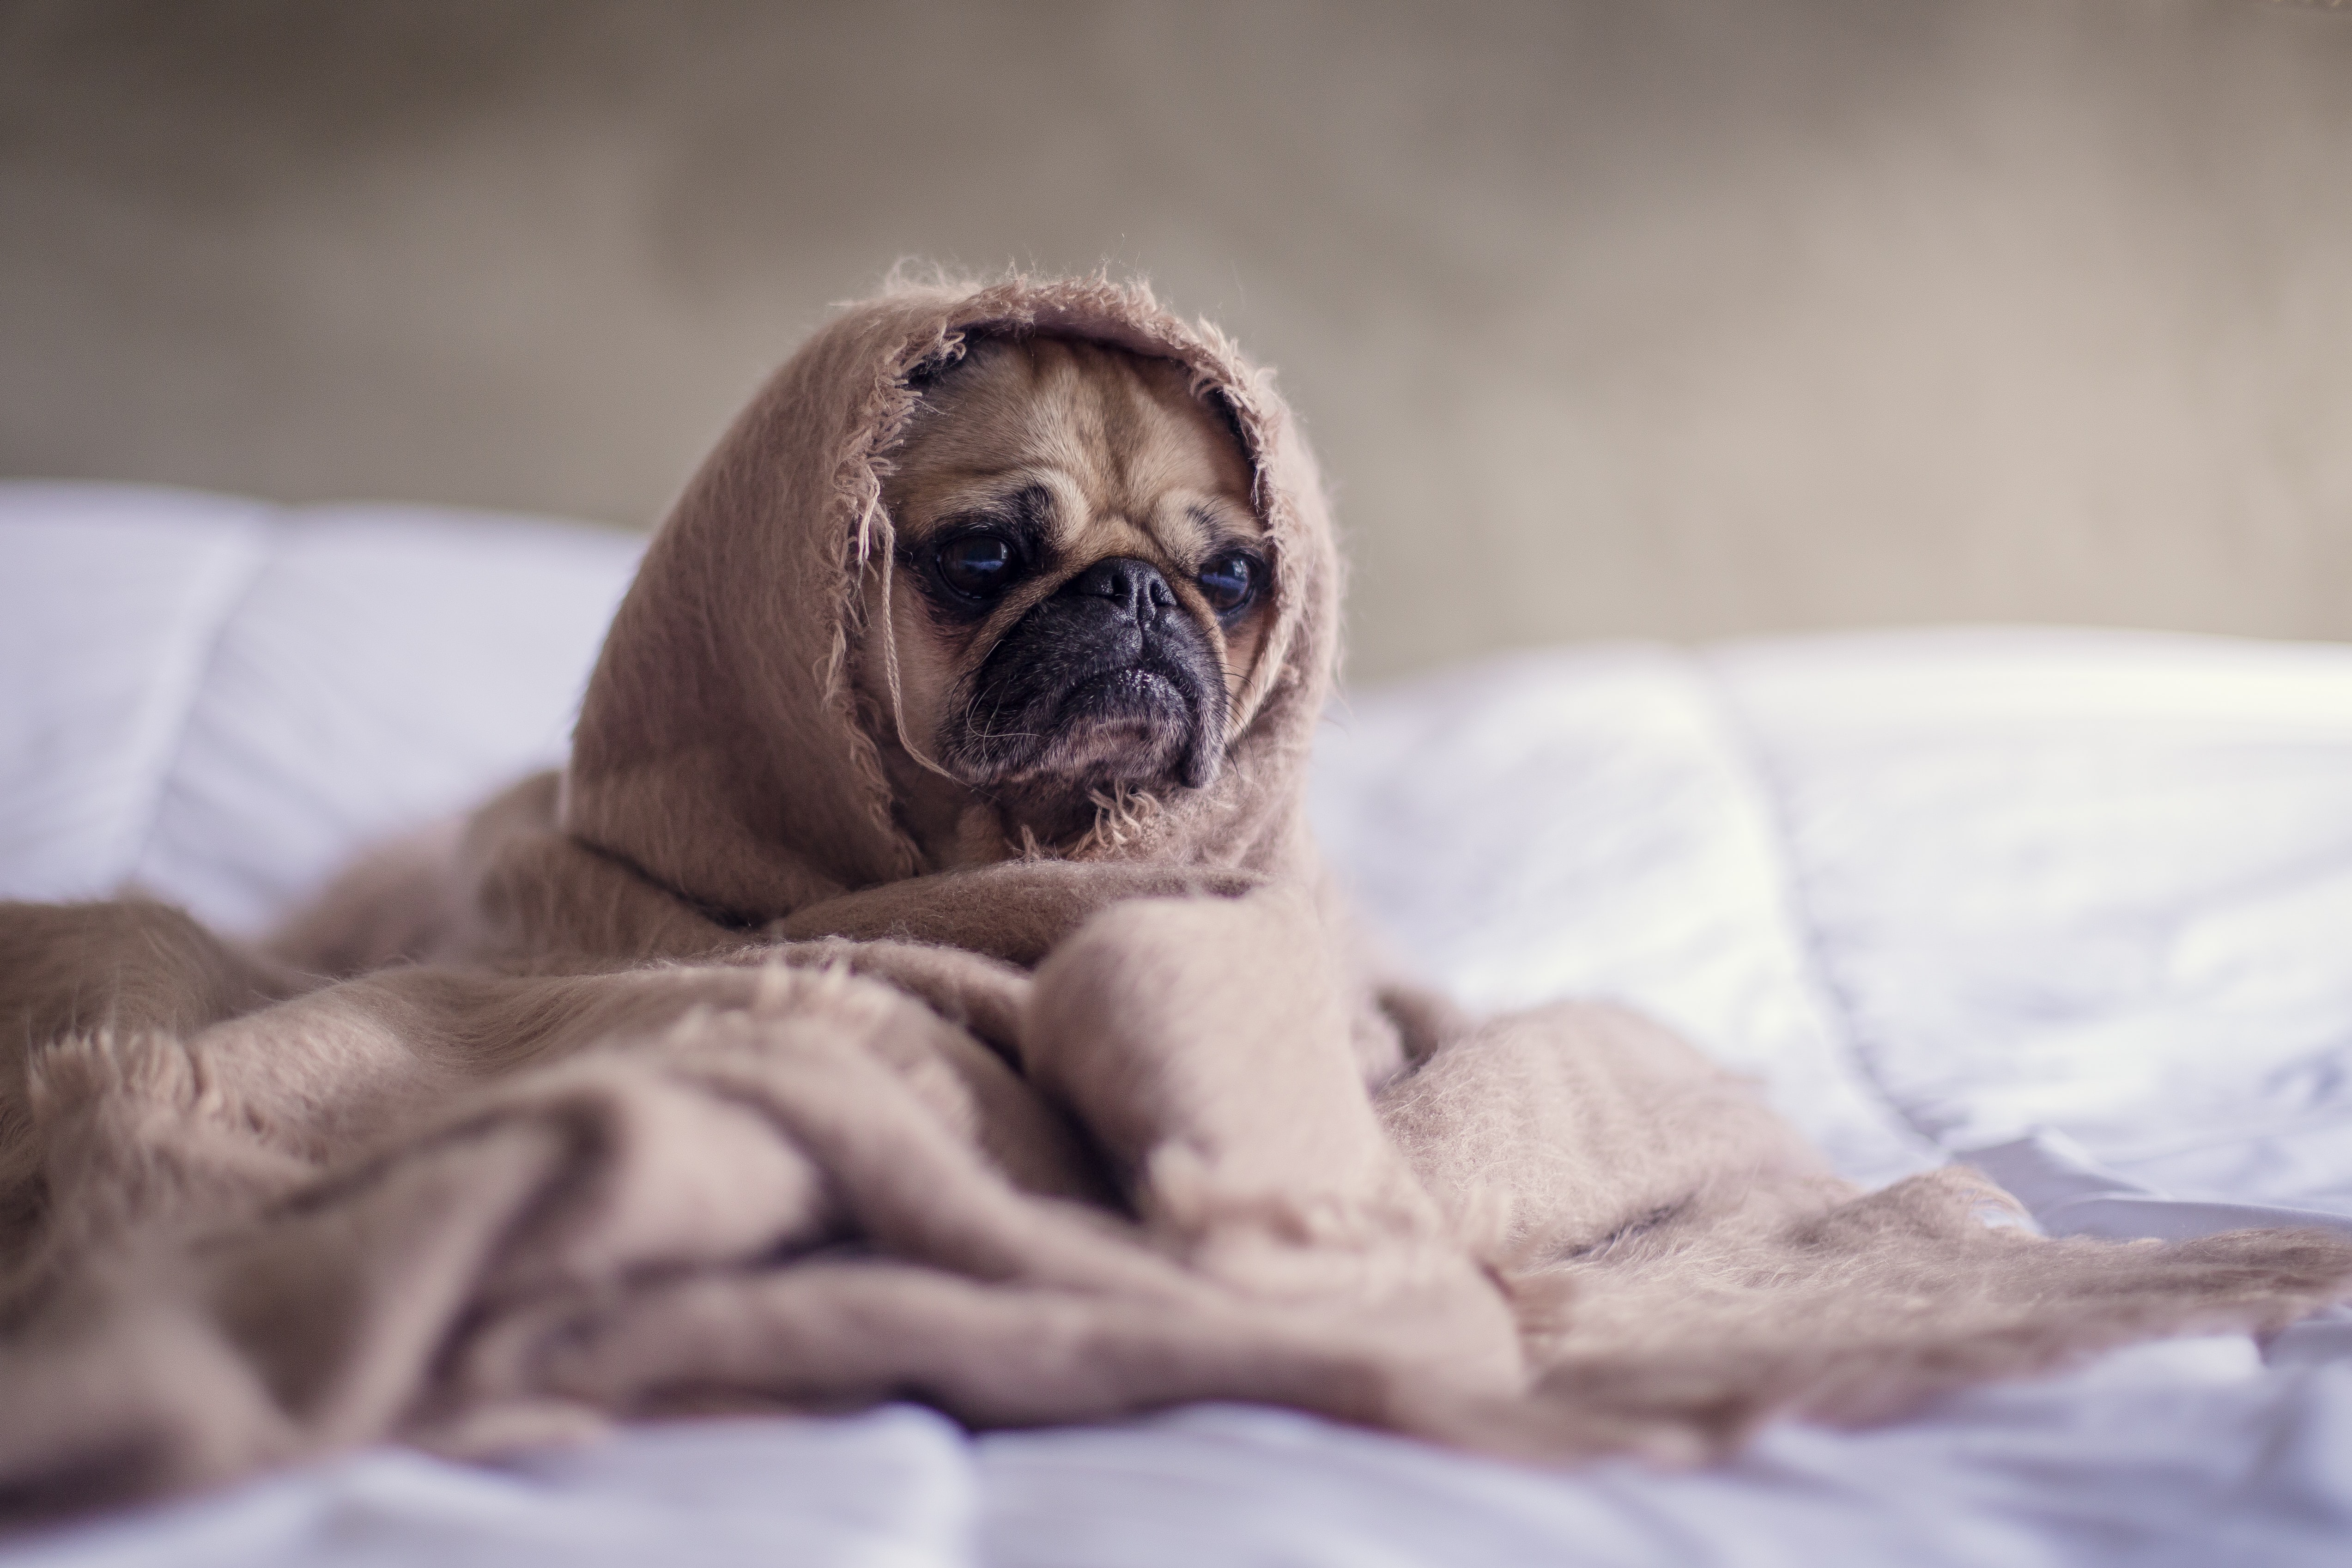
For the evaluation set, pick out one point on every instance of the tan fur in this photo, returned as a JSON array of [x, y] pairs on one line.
[[715, 1090]]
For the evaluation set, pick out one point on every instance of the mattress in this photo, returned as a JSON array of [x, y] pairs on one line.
[[2074, 905]]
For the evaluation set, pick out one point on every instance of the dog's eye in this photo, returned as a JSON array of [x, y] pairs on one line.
[[1229, 582], [978, 566]]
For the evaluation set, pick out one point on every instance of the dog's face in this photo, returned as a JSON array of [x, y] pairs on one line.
[[1081, 583]]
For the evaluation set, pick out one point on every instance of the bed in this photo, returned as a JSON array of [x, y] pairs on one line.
[[2072, 906]]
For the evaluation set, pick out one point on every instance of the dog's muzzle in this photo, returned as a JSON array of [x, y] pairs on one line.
[[1109, 680]]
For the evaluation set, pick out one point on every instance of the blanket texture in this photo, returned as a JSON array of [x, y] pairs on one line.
[[681, 1083]]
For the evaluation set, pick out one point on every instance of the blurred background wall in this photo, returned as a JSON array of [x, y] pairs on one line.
[[1674, 317]]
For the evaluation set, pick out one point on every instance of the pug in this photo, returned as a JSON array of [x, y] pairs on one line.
[[1076, 591]]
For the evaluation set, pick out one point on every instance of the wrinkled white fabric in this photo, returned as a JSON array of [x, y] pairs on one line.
[[218, 700], [2092, 880], [2069, 903]]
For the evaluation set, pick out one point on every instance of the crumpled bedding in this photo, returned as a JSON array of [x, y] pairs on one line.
[[2070, 898]]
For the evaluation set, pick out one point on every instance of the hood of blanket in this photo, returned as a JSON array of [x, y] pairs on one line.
[[721, 752]]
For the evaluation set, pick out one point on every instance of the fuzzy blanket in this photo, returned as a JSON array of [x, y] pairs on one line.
[[681, 1083]]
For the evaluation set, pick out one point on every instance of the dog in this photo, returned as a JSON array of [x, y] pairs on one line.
[[1077, 589]]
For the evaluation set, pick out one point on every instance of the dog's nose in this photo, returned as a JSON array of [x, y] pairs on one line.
[[1135, 586]]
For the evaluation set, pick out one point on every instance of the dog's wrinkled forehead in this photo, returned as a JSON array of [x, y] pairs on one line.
[[1087, 450]]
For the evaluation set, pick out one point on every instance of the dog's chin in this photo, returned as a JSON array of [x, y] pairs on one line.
[[1133, 724], [1127, 726]]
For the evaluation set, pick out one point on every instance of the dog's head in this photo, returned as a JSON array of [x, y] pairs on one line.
[[1080, 582], [909, 619]]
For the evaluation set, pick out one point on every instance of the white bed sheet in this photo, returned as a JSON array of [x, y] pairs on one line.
[[2080, 901]]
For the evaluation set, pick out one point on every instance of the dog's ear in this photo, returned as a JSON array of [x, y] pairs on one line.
[[950, 353], [1220, 408]]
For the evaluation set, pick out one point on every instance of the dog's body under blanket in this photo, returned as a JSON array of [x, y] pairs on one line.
[[710, 1094]]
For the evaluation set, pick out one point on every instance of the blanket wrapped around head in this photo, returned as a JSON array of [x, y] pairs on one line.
[[683, 1084]]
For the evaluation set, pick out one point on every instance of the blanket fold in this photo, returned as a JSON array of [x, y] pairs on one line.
[[681, 1083]]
